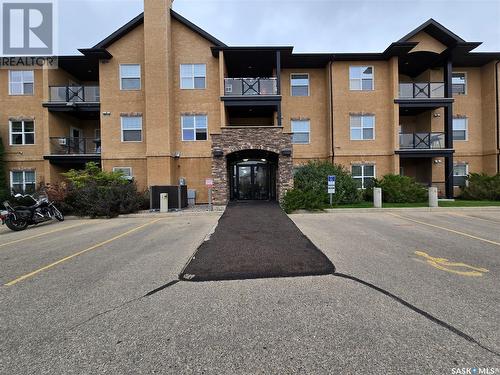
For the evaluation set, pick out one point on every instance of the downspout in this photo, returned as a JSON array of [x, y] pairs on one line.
[[330, 84], [498, 115]]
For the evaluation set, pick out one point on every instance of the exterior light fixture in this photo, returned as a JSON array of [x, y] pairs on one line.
[[217, 152], [106, 113], [286, 152]]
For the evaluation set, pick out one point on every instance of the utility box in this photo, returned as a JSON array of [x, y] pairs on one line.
[[163, 202], [191, 197], [173, 194]]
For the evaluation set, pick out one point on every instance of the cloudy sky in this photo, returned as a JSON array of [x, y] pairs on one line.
[[308, 25]]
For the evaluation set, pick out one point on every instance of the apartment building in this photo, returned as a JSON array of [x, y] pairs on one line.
[[160, 99]]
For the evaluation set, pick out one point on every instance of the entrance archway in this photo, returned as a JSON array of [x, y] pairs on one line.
[[252, 175]]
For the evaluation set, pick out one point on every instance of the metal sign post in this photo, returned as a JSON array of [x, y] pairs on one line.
[[209, 182], [331, 187]]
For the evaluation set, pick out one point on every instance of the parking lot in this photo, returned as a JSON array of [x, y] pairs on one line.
[[413, 292]]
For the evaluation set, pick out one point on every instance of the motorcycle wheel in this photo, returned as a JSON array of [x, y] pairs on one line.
[[16, 225], [58, 214]]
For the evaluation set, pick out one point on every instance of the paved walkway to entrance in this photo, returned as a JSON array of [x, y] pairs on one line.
[[256, 240]]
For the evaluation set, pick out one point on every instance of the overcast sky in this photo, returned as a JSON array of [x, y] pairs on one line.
[[308, 25]]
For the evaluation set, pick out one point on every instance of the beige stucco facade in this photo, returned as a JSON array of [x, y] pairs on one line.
[[161, 43]]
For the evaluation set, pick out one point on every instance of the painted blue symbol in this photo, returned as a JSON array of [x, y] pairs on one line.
[[474, 370]]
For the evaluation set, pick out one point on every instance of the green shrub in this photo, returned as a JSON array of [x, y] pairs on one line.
[[482, 187], [400, 189], [4, 189], [310, 187], [96, 193]]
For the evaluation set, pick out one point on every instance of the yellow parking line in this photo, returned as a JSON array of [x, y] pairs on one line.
[[42, 234], [28, 275], [447, 229]]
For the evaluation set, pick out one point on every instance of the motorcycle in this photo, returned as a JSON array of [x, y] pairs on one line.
[[18, 218]]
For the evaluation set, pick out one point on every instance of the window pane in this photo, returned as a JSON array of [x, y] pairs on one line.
[[358, 182], [459, 124], [458, 78], [187, 122], [200, 70], [368, 121], [368, 183], [201, 134], [356, 170], [187, 83], [16, 76], [459, 181], [16, 126], [130, 71], [367, 84], [131, 83], [29, 176], [17, 177], [460, 170], [201, 122], [28, 76], [355, 134], [300, 91], [186, 70], [300, 126], [17, 139], [29, 139], [30, 189], [355, 84], [459, 135], [199, 83], [300, 138], [125, 171], [367, 72], [367, 133], [29, 126], [300, 80], [355, 121], [132, 135], [28, 89], [369, 171], [132, 123], [16, 88], [188, 135], [355, 72]]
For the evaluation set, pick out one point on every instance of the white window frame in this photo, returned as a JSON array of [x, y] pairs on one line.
[[308, 84], [139, 77], [195, 126], [23, 82], [11, 175], [362, 127], [308, 132], [22, 132], [466, 130], [466, 82], [361, 79], [192, 77], [128, 176], [363, 176], [466, 173], [142, 129]]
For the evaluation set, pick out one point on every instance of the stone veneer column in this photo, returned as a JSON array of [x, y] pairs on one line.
[[271, 139]]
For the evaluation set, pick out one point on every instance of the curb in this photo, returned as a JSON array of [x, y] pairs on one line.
[[398, 209]]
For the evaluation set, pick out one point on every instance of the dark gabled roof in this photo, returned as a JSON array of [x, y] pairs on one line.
[[139, 20], [437, 31]]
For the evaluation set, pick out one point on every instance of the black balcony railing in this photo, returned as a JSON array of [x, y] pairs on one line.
[[74, 146], [74, 94], [250, 86], [415, 141], [421, 90]]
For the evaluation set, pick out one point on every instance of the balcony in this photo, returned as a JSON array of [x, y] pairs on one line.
[[419, 141], [421, 90], [250, 86], [67, 150], [73, 98]]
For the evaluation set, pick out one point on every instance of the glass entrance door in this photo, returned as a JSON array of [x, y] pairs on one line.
[[252, 181]]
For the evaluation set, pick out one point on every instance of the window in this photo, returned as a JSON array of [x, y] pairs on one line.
[[131, 129], [362, 127], [459, 83], [126, 171], [300, 84], [300, 130], [130, 77], [363, 175], [460, 129], [193, 76], [21, 82], [22, 182], [22, 132], [194, 128], [361, 78], [460, 173]]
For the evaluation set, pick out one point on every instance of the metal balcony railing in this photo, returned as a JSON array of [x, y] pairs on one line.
[[417, 141], [74, 94], [250, 86], [421, 90], [74, 146]]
